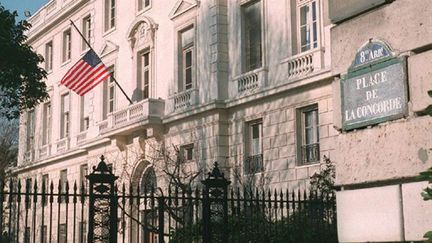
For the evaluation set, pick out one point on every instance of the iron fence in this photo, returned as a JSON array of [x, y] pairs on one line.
[[213, 213]]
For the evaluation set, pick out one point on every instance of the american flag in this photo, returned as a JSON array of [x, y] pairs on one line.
[[85, 74]]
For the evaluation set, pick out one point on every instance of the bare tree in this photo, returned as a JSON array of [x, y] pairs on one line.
[[8, 144]]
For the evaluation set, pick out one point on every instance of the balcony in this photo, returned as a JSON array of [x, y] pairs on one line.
[[251, 82], [184, 99], [44, 151], [305, 63], [62, 145], [254, 164], [133, 115]]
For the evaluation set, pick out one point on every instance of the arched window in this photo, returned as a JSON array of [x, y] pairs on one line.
[[148, 181]]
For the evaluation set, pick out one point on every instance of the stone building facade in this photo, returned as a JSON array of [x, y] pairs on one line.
[[377, 165], [247, 83]]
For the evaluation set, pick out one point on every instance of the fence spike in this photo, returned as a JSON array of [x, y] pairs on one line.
[[51, 192], [35, 190], [304, 194], [75, 188], [67, 192]]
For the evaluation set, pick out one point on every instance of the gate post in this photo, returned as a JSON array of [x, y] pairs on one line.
[[103, 204], [215, 206]]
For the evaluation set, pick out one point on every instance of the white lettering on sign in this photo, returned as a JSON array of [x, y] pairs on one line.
[[374, 109], [370, 55]]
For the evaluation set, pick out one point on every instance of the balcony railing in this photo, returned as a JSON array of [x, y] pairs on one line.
[[254, 164], [62, 145], [305, 63], [44, 151], [133, 113], [29, 155], [251, 81], [310, 153], [185, 99], [81, 137]]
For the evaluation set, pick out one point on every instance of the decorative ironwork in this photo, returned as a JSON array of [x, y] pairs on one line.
[[310, 153], [215, 206], [254, 164], [103, 204]]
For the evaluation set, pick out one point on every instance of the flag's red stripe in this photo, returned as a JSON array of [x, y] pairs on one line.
[[88, 77], [76, 73], [71, 71], [101, 79], [94, 79], [81, 76]]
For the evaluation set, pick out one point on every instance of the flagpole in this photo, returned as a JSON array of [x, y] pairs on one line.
[[88, 44]]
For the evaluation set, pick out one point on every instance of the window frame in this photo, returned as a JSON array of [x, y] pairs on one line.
[[49, 55], [47, 123], [143, 6], [87, 32], [244, 56], [255, 157], [314, 33], [65, 116], [67, 45], [108, 88], [182, 52], [84, 118], [141, 69], [31, 126], [187, 153], [302, 146], [110, 15]]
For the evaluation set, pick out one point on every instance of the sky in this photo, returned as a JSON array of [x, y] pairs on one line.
[[22, 5]]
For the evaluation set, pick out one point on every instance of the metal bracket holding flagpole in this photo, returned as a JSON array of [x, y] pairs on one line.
[[88, 44]]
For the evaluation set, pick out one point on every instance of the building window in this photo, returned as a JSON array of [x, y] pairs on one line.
[[254, 158], [308, 149], [67, 45], [65, 119], [108, 94], [45, 185], [110, 14], [307, 25], [30, 130], [143, 4], [186, 60], [63, 183], [46, 126], [252, 36], [186, 152], [49, 56], [86, 31], [84, 114], [83, 173], [62, 233], [148, 181], [144, 67]]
